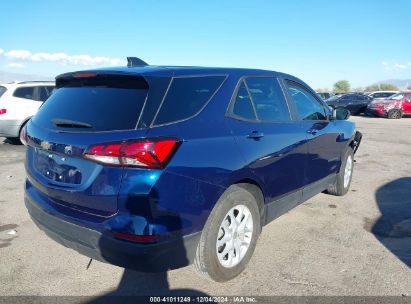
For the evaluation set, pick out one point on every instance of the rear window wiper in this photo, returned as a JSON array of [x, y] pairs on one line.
[[67, 123]]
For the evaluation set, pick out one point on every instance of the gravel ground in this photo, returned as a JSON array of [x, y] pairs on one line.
[[359, 244]]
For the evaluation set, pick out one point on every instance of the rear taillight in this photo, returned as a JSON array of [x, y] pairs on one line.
[[23, 135], [3, 111], [136, 238], [151, 154]]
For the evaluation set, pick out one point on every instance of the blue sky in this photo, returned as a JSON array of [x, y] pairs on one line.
[[363, 41]]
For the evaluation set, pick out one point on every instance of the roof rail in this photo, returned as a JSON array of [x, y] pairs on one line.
[[135, 62], [28, 81]]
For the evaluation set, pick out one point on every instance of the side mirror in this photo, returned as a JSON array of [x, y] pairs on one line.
[[341, 114]]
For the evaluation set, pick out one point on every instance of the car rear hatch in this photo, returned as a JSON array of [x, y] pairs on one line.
[[86, 110]]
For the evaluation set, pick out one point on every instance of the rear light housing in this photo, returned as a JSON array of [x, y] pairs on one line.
[[144, 153], [23, 135], [3, 111], [136, 238], [84, 75]]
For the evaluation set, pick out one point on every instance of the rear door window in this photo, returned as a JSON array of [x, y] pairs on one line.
[[102, 105], [243, 107], [25, 92], [268, 99], [186, 97], [2, 90], [49, 90], [44, 93]]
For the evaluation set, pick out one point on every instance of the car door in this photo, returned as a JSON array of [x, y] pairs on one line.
[[270, 140], [406, 107], [350, 102], [357, 104], [323, 135]]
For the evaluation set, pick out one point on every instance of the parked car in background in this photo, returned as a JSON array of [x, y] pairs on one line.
[[356, 103], [19, 101], [381, 94], [394, 107], [325, 95], [125, 167]]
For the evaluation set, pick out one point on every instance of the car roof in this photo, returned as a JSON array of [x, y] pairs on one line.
[[172, 71]]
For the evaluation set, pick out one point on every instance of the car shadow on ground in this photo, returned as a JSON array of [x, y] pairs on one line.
[[9, 141], [134, 283], [393, 228]]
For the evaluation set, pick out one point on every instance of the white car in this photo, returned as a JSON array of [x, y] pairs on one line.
[[382, 94], [19, 101]]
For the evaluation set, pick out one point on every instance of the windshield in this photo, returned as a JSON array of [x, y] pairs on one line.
[[397, 96], [2, 90]]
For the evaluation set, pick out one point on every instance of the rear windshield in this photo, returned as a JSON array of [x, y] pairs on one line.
[[186, 97], [2, 90], [114, 103], [92, 109]]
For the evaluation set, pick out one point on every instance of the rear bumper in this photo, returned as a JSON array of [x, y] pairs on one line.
[[10, 128], [104, 247]]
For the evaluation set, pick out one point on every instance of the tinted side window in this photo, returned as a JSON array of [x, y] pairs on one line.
[[268, 99], [308, 107], [43, 94], [49, 90], [242, 105], [2, 90], [186, 97], [24, 92]]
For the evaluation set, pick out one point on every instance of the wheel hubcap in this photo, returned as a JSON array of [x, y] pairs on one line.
[[348, 171], [234, 236]]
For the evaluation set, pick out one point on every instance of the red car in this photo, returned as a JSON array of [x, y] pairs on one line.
[[394, 107]]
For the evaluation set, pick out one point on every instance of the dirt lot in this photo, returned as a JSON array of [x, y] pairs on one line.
[[359, 244]]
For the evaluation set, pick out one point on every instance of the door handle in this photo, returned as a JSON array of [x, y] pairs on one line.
[[255, 135], [312, 132]]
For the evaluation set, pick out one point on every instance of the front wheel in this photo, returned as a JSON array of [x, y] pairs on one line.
[[230, 235], [394, 114], [344, 177]]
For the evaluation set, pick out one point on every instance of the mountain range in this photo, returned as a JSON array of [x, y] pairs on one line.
[[6, 77], [400, 83]]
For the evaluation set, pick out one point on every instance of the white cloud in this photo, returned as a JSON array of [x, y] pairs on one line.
[[395, 65], [18, 54], [63, 58], [1, 51], [15, 65]]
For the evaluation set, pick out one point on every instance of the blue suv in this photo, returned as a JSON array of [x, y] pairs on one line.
[[157, 167]]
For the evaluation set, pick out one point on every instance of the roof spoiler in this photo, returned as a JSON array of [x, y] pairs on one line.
[[135, 62]]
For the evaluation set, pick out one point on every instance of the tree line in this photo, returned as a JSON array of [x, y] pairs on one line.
[[344, 86]]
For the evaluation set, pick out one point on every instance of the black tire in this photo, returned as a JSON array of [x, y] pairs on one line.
[[339, 189], [394, 114], [14, 140], [206, 262]]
